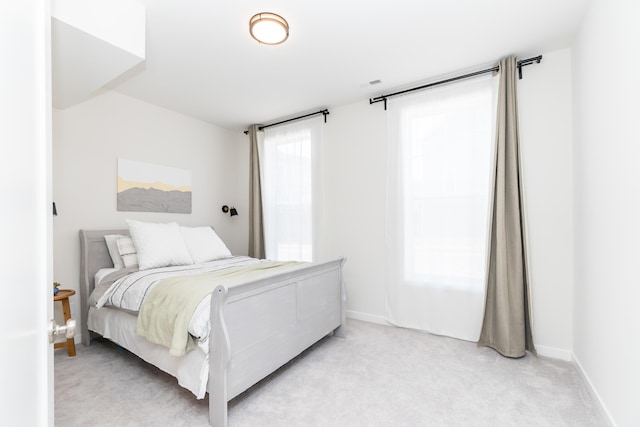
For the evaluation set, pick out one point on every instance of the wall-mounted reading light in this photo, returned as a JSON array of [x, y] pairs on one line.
[[230, 210]]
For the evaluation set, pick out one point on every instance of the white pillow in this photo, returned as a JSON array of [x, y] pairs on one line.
[[204, 244], [158, 245], [112, 246], [127, 251]]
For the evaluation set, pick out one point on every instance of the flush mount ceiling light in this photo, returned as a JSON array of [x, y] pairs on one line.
[[269, 28]]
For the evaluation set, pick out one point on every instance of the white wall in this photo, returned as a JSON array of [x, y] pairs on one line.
[[356, 165], [355, 136], [607, 205], [89, 138], [545, 101]]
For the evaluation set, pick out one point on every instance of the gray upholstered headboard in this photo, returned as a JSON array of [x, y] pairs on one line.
[[94, 255]]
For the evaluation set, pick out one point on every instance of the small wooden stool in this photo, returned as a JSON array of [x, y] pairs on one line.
[[63, 296]]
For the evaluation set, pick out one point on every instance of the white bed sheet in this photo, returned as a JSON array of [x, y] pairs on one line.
[[102, 273], [191, 370]]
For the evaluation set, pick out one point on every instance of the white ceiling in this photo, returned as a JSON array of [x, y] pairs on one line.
[[201, 60]]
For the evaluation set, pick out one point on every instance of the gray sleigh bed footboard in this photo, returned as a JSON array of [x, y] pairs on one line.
[[259, 326]]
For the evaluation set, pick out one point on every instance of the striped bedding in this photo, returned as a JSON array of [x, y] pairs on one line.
[[126, 289]]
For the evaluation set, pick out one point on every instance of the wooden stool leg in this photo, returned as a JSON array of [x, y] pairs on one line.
[[71, 345]]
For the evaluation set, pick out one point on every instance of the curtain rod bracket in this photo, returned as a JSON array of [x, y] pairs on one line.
[[324, 112]]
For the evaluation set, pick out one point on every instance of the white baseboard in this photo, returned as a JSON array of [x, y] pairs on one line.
[[603, 407], [554, 353], [371, 318]]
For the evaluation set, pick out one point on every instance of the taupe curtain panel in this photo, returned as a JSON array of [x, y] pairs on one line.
[[256, 228], [506, 326]]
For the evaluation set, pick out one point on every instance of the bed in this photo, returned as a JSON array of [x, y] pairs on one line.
[[255, 326]]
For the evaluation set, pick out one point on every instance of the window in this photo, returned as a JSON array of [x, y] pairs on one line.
[[446, 164], [291, 165], [441, 145]]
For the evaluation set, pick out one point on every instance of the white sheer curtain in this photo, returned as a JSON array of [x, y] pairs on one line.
[[291, 164], [440, 160]]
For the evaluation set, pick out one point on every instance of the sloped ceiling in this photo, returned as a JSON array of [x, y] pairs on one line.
[[201, 60], [92, 43]]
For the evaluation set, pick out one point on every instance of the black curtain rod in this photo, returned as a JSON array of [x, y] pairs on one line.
[[521, 63], [324, 112]]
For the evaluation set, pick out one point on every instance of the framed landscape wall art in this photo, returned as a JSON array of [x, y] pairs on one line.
[[145, 187]]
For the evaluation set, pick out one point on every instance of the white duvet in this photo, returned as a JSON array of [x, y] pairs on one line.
[[128, 293]]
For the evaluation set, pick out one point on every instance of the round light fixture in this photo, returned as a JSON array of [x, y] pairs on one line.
[[269, 28]]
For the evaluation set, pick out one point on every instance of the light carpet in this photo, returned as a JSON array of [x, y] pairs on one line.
[[376, 376]]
